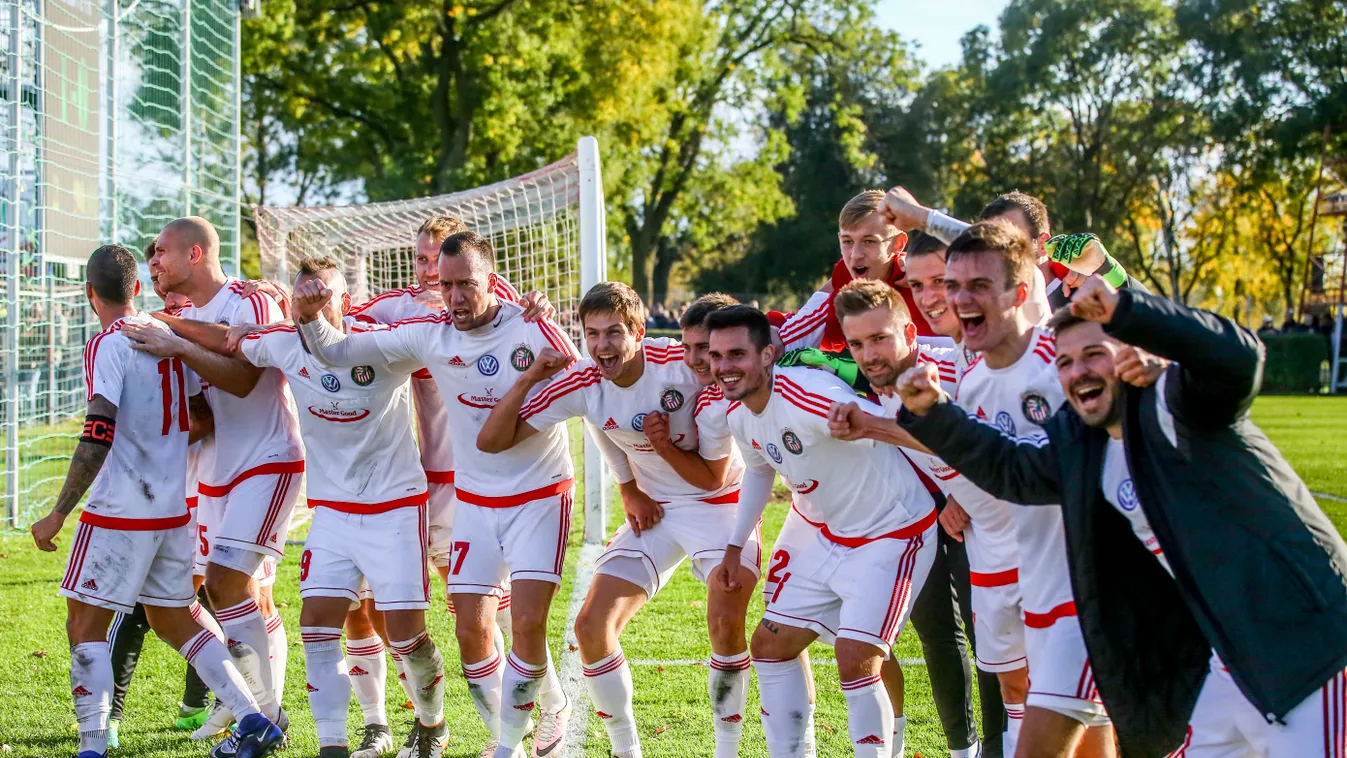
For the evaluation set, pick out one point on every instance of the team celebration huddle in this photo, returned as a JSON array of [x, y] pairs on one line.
[[991, 431]]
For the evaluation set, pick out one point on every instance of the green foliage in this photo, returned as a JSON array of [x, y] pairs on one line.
[[1295, 362]]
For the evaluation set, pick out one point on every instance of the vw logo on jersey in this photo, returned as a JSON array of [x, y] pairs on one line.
[[1127, 496], [488, 365], [774, 451], [1035, 407], [1005, 423], [521, 358], [330, 383], [792, 442], [671, 400], [362, 375], [638, 422]]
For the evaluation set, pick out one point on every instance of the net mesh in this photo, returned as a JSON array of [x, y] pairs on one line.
[[532, 222], [115, 118]]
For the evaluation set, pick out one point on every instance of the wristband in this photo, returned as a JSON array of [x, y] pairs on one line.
[[99, 430], [1113, 272], [942, 227]]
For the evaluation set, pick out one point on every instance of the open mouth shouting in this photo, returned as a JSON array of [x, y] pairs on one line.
[[608, 363], [1088, 394], [973, 323]]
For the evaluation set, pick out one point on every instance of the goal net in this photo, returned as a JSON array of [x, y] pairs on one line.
[[547, 228]]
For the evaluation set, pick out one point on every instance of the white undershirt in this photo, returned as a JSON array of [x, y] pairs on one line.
[[1118, 490]]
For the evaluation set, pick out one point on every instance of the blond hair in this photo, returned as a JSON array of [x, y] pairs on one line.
[[859, 208], [439, 227]]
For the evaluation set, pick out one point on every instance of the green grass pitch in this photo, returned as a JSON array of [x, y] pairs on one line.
[[671, 703]]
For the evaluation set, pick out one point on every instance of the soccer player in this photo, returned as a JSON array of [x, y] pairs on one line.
[[644, 398], [1185, 526], [1013, 384], [884, 342], [369, 492], [249, 481], [513, 512], [133, 543], [852, 583]]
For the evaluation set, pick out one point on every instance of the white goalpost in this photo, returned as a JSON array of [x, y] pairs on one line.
[[547, 227]]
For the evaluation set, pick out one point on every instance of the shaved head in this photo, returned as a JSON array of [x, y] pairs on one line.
[[191, 231]]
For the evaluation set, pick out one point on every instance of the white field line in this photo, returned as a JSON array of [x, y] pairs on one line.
[[691, 662], [570, 670], [1327, 496]]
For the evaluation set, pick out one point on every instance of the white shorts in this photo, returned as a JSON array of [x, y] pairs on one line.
[[117, 568], [862, 593], [1060, 678], [518, 542], [384, 551], [1225, 724], [253, 515], [693, 530], [441, 519], [795, 534], [998, 622], [205, 523]]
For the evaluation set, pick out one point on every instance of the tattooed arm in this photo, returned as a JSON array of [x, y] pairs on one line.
[[84, 467]]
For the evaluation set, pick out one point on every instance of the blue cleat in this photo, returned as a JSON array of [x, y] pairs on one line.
[[255, 737]]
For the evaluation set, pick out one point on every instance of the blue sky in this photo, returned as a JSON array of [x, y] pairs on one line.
[[937, 26]]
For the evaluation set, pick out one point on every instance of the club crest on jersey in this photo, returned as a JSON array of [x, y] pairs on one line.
[[1127, 496], [638, 422], [774, 451], [488, 365], [1005, 423], [521, 358], [969, 356], [330, 383], [671, 400], [792, 442], [1035, 407], [362, 375]]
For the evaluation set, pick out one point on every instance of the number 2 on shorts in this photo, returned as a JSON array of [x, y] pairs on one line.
[[780, 560]]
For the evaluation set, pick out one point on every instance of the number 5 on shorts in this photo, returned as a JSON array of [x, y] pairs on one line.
[[461, 550]]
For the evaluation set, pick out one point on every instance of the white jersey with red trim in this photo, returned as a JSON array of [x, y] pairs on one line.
[[1018, 399], [666, 384], [805, 327], [995, 549], [432, 422], [356, 425], [141, 485], [861, 490], [474, 369], [250, 431]]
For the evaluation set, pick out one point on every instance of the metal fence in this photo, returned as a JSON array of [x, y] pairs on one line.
[[116, 116]]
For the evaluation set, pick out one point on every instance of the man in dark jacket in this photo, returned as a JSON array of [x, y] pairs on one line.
[[1231, 553]]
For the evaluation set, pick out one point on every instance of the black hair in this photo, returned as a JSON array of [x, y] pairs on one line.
[[734, 316], [111, 271]]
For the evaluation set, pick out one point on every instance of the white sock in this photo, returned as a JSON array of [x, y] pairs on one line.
[[609, 683], [1014, 720], [278, 648], [215, 666], [484, 687], [519, 696], [551, 698], [869, 717], [899, 735], [368, 668], [91, 689], [206, 621], [785, 705], [402, 675], [727, 684], [810, 747], [972, 751], [328, 684], [248, 643], [425, 676]]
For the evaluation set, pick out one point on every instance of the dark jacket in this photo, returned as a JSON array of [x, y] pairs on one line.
[[1258, 568]]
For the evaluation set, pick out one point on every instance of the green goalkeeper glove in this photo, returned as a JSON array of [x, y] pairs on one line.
[[1067, 249], [840, 365]]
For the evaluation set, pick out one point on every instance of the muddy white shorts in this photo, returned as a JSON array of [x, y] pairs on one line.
[[517, 542], [206, 517], [1060, 678], [794, 535], [117, 568], [689, 529], [251, 514], [998, 621], [862, 593], [384, 551]]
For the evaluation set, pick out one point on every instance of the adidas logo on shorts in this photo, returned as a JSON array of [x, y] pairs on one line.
[[611, 425], [357, 671], [89, 585], [871, 740], [310, 687], [80, 692], [602, 715]]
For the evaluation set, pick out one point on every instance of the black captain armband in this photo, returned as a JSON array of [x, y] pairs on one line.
[[99, 430]]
